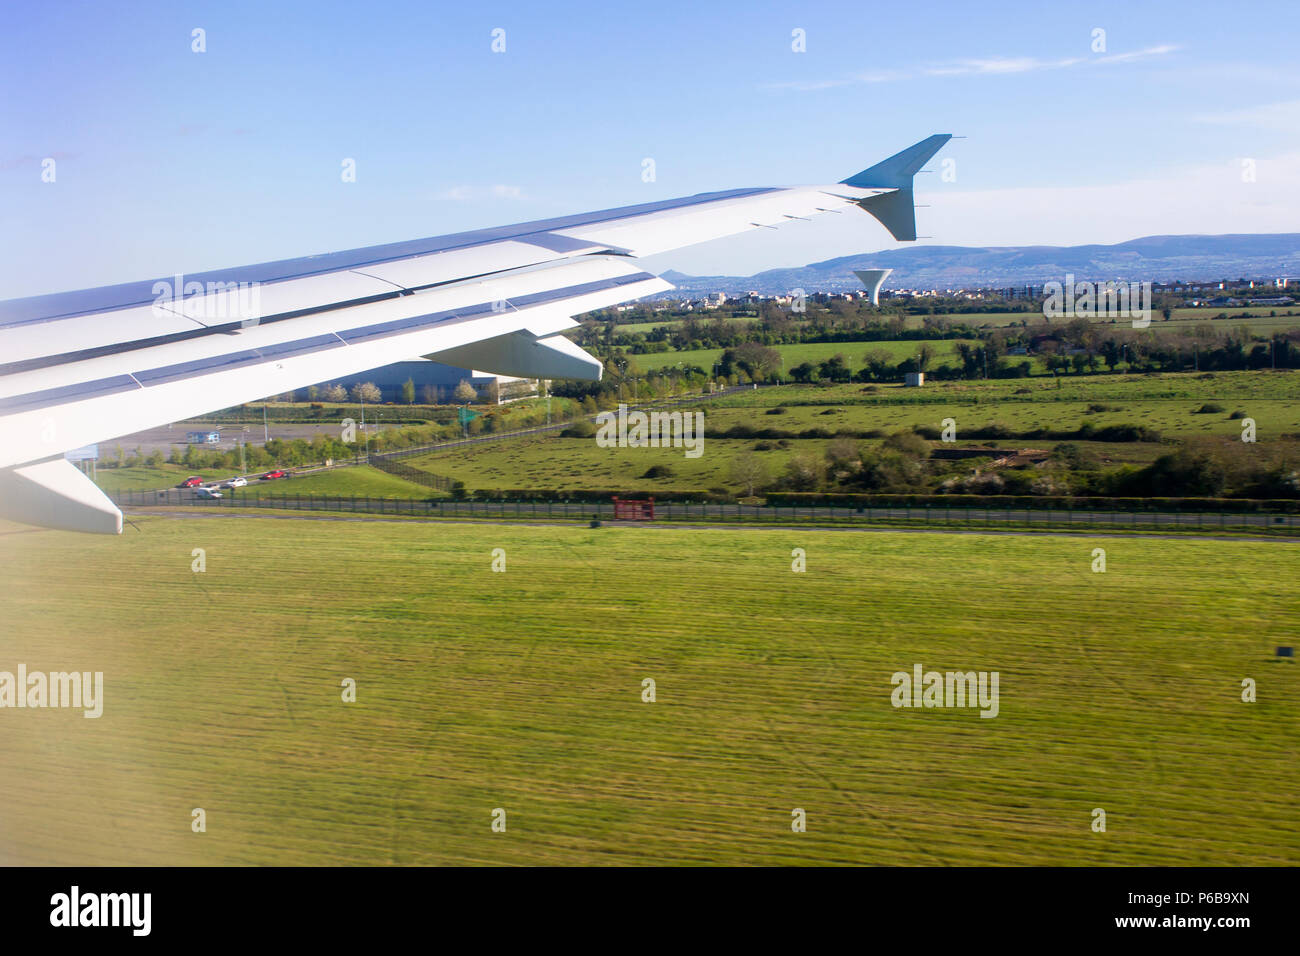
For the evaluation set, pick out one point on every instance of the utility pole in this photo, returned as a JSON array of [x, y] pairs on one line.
[[266, 432]]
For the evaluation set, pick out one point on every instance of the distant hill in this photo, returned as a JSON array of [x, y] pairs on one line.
[[1152, 258]]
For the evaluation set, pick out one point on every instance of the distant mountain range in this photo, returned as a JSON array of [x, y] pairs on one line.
[[1153, 258]]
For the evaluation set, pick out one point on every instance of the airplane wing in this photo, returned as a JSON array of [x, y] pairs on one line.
[[82, 367]]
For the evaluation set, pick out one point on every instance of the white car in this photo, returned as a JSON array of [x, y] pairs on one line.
[[206, 493], [236, 482]]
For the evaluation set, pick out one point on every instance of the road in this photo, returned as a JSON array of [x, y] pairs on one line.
[[165, 437]]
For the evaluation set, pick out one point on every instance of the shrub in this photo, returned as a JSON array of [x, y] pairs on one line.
[[579, 430]]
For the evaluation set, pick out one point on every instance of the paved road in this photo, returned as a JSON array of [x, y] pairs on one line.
[[165, 437]]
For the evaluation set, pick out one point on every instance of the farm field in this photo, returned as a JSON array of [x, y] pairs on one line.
[[1205, 387], [1170, 417], [523, 691], [579, 463], [1257, 318], [1171, 405], [944, 350]]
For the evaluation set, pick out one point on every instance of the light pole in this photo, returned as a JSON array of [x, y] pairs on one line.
[[365, 434]]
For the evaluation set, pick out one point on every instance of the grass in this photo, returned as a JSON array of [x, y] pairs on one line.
[[360, 480], [816, 352], [523, 690], [145, 478], [350, 480], [573, 463], [1256, 318], [1166, 403]]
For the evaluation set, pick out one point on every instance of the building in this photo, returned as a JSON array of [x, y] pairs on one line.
[[913, 379], [435, 383]]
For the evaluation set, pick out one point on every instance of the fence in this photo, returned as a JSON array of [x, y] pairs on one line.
[[410, 473], [958, 515]]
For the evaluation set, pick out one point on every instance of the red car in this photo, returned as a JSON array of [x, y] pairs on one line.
[[275, 474], [191, 482]]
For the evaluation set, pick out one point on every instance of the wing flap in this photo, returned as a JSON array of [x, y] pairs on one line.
[[525, 356]]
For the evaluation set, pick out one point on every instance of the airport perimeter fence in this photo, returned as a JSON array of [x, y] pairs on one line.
[[951, 515]]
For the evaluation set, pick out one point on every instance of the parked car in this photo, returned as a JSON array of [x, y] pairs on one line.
[[206, 493], [275, 474], [236, 482], [193, 481]]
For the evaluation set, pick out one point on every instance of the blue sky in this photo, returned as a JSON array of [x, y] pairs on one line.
[[170, 160]]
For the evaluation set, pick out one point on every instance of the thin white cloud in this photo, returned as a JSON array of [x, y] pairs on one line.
[[976, 66], [455, 194], [1136, 54], [1000, 64]]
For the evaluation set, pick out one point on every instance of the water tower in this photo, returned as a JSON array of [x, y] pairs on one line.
[[872, 279]]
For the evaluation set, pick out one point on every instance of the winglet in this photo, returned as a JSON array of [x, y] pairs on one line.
[[896, 210]]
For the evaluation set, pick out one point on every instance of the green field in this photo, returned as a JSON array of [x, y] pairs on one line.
[[1256, 318], [1169, 404], [944, 350], [522, 691], [359, 480]]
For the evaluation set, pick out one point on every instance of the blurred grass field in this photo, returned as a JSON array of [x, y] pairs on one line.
[[522, 690]]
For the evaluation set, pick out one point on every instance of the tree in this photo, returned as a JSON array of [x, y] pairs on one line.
[[465, 392], [835, 369], [924, 355], [408, 391], [336, 393], [878, 364], [758, 361], [749, 471], [366, 392], [804, 372], [908, 444], [804, 472], [843, 453]]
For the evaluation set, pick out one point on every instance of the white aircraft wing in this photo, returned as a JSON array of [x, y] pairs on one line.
[[82, 367]]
